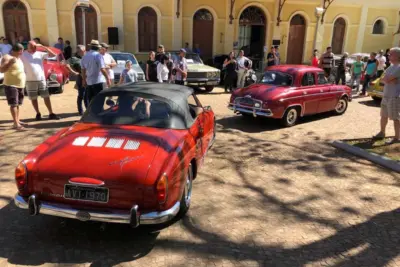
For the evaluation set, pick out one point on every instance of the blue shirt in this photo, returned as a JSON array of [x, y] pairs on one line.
[[371, 65], [180, 63], [59, 46], [129, 76], [93, 62]]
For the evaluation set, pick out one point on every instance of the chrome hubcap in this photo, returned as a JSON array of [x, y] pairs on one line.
[[341, 106], [292, 116], [188, 189]]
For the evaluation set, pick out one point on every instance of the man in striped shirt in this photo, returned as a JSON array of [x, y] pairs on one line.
[[327, 61], [341, 69]]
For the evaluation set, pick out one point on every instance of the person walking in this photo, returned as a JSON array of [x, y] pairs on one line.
[[128, 75], [356, 72], [108, 60], [230, 66], [187, 47], [160, 53], [94, 71], [278, 56], [272, 57], [162, 70], [35, 77], [387, 53], [370, 70], [170, 66], [390, 105], [327, 61], [151, 68], [242, 68], [67, 50], [74, 67], [381, 64], [315, 59], [14, 82], [60, 44], [180, 66], [341, 69]]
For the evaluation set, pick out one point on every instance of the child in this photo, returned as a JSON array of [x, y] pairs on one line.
[[356, 72], [128, 75]]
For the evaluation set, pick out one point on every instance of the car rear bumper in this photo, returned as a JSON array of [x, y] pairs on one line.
[[132, 217], [257, 112], [375, 93], [202, 82]]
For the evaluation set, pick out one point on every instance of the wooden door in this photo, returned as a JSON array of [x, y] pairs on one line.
[[203, 32], [296, 40], [91, 31], [339, 31], [16, 21], [148, 31]]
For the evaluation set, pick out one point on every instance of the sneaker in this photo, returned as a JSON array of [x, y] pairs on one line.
[[379, 136], [38, 117], [392, 141], [53, 116]]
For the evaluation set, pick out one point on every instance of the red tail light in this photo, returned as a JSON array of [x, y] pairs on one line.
[[162, 189], [21, 176]]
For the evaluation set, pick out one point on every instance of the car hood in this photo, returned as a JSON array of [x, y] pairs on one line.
[[201, 68], [262, 91], [121, 66]]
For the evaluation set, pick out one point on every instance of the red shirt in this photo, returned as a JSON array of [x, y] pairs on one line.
[[315, 62]]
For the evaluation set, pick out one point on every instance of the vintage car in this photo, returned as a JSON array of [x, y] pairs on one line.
[[288, 92], [57, 75], [199, 75], [131, 159], [121, 58], [375, 89]]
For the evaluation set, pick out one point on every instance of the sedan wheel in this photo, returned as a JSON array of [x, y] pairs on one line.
[[291, 116], [187, 192], [341, 106], [209, 88]]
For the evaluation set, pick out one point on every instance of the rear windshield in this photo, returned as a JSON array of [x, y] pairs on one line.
[[126, 108], [121, 58], [190, 58], [276, 78]]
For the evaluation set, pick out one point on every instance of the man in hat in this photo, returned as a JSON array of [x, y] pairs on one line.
[[108, 60], [180, 66], [160, 53], [94, 71], [36, 79]]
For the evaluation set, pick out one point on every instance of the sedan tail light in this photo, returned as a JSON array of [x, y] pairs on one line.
[[162, 189], [21, 176]]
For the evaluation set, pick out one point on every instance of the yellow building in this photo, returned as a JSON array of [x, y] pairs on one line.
[[215, 25]]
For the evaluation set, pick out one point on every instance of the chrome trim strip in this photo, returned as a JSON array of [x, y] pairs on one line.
[[112, 216], [86, 185]]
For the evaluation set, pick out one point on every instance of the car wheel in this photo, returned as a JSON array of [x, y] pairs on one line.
[[377, 99], [291, 116], [341, 106], [209, 88], [246, 115], [187, 192]]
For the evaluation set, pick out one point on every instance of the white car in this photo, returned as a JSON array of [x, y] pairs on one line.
[[121, 58]]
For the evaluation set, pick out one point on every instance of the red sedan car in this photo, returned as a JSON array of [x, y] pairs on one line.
[[131, 159], [288, 92]]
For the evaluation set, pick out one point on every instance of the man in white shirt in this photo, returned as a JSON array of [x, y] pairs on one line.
[[241, 62], [36, 79], [5, 47], [109, 61], [382, 64]]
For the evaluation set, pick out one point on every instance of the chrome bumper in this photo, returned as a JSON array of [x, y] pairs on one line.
[[202, 81], [53, 84], [132, 217], [255, 111]]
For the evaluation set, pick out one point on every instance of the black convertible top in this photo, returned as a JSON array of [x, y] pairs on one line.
[[172, 94]]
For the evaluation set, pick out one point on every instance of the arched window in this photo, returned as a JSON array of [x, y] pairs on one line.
[[147, 24], [379, 27], [296, 42], [16, 21]]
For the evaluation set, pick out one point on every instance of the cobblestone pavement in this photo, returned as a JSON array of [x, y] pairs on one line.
[[266, 196]]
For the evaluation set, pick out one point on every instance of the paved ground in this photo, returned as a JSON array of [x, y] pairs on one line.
[[266, 197]]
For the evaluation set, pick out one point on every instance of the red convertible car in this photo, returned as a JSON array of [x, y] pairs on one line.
[[131, 159], [288, 92]]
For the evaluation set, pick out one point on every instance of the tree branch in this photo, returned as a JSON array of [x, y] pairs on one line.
[[327, 4]]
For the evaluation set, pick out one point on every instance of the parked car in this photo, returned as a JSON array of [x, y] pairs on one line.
[[146, 141], [375, 90], [199, 75], [287, 92], [57, 75], [121, 58]]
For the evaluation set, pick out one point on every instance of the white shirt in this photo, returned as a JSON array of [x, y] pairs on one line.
[[33, 65], [5, 48], [241, 61], [382, 62], [108, 59], [162, 72]]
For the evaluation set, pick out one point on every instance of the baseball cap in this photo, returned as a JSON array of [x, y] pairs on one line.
[[182, 50]]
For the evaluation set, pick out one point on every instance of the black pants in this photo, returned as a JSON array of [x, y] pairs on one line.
[[379, 73], [180, 82], [368, 78], [230, 82], [93, 90], [341, 75]]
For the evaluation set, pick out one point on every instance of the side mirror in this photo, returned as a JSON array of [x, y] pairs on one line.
[[207, 108]]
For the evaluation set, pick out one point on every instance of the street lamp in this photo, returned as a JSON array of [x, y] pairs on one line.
[[318, 13], [83, 5]]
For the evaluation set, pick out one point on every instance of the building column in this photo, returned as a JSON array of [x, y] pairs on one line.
[[361, 29], [229, 29], [396, 38], [52, 22], [118, 21], [177, 27]]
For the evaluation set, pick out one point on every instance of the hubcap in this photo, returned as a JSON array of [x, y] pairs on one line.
[[341, 106], [292, 116], [188, 189]]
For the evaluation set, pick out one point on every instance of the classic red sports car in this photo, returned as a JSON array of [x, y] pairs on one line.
[[131, 159], [288, 92], [57, 74]]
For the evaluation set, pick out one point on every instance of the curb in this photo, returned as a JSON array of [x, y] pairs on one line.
[[383, 161]]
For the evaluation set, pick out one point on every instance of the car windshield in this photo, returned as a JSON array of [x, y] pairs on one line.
[[191, 58], [59, 56], [127, 108], [121, 58], [276, 78]]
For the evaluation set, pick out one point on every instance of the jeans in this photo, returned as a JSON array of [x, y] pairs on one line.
[[357, 78], [180, 82], [368, 78], [81, 98], [93, 90], [341, 75]]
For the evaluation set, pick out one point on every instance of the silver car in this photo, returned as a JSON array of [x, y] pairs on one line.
[[121, 58]]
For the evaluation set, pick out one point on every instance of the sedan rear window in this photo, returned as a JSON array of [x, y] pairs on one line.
[[277, 78]]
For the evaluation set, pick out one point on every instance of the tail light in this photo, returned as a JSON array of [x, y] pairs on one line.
[[162, 189], [21, 175]]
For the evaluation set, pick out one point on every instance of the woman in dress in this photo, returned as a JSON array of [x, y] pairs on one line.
[[230, 66], [162, 70], [128, 75], [151, 68]]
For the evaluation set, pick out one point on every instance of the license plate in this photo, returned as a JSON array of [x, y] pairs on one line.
[[94, 194]]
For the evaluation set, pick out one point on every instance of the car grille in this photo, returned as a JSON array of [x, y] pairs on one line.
[[197, 75]]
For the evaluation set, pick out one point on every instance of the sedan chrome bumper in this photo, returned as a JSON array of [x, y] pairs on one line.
[[132, 217], [255, 111]]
